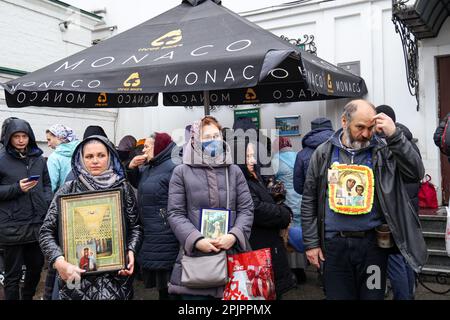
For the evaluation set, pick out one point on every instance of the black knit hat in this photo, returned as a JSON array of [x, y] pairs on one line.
[[94, 131], [387, 110]]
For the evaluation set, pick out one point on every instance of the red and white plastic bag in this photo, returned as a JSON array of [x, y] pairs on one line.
[[250, 276]]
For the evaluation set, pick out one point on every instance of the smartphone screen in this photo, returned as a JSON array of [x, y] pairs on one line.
[[33, 178]]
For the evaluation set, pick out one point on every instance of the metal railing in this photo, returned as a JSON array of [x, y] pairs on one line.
[[307, 43], [409, 44]]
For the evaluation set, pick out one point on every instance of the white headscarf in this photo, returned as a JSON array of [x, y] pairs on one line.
[[62, 132]]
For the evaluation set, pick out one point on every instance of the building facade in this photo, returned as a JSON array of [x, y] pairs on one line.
[[35, 33], [359, 35], [362, 33], [356, 34]]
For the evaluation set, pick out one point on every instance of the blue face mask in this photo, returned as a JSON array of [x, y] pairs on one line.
[[212, 147]]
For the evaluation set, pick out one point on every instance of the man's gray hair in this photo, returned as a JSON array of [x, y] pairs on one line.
[[351, 107]]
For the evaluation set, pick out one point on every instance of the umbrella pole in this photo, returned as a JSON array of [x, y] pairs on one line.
[[206, 102]]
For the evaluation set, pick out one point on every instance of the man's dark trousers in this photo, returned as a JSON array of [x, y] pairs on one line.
[[354, 267], [29, 255]]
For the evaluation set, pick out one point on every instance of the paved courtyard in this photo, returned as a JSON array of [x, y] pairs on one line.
[[310, 290]]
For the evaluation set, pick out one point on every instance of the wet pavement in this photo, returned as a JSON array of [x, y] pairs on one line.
[[310, 290]]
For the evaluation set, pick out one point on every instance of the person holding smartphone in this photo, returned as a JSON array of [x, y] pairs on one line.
[[25, 195]]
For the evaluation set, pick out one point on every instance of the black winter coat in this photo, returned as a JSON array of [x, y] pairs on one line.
[[160, 247], [21, 214], [105, 286], [269, 219]]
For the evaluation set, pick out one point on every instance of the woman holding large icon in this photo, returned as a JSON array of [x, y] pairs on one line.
[[93, 222]]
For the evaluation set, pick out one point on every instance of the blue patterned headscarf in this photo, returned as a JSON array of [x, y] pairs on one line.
[[65, 134]]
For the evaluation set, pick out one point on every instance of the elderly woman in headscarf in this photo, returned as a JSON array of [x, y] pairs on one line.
[[96, 167], [63, 140], [150, 173]]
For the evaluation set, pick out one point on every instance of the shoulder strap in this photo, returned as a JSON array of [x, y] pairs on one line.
[[228, 187]]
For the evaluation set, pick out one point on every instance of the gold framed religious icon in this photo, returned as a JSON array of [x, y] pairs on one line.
[[92, 233], [351, 189], [214, 223]]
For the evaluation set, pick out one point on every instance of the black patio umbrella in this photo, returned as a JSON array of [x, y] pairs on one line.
[[197, 53]]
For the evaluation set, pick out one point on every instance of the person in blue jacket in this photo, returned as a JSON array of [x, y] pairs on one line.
[[401, 276], [321, 131], [64, 141]]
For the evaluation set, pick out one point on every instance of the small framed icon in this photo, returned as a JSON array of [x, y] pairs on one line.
[[214, 222]]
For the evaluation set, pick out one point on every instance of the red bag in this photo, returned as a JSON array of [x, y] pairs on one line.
[[427, 194], [250, 276]]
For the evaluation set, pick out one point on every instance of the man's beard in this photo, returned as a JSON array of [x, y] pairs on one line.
[[350, 142]]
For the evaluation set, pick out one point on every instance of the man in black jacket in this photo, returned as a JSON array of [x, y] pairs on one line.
[[401, 276], [339, 226], [23, 206]]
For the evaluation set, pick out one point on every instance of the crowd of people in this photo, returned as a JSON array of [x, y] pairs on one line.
[[298, 211]]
